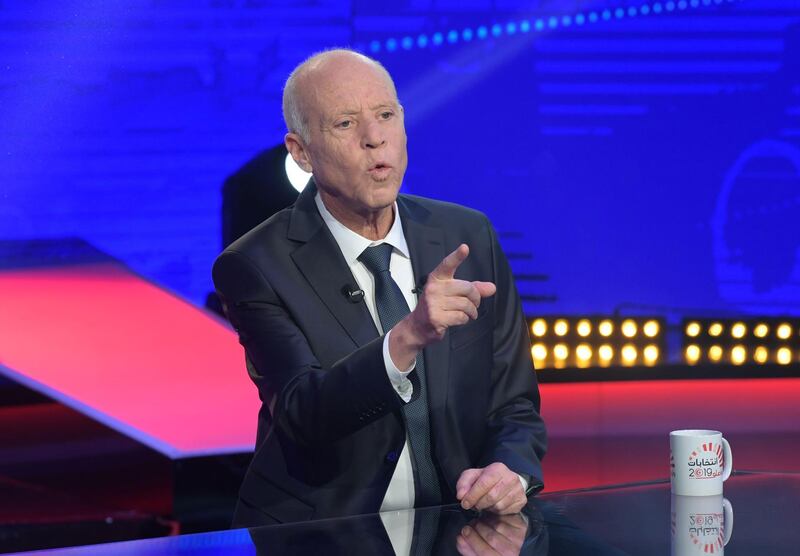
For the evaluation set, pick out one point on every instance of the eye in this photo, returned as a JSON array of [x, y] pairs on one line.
[[387, 114], [345, 124]]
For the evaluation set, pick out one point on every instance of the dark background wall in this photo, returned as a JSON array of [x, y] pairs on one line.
[[634, 152]]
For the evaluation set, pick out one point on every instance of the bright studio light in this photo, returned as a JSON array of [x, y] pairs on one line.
[[539, 352], [561, 327], [584, 355], [738, 330], [297, 176], [629, 354], [692, 354], [784, 331], [761, 355], [560, 352], [606, 328], [584, 328], [715, 329], [693, 329], [651, 328], [715, 353], [539, 328], [629, 328], [605, 353], [784, 356], [650, 355], [738, 355], [761, 330]]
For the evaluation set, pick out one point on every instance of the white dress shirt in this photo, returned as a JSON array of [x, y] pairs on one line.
[[400, 494]]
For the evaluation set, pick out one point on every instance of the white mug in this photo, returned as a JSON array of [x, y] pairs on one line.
[[700, 460], [700, 525]]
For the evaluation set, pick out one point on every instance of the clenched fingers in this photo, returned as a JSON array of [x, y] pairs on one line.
[[495, 488], [501, 495]]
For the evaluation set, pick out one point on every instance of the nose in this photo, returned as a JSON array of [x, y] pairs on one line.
[[374, 136]]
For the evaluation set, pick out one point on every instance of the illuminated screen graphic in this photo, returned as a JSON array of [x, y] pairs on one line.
[[629, 153]]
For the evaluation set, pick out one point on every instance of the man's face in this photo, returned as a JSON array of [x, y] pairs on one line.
[[357, 147]]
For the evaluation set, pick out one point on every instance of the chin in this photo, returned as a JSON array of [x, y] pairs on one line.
[[385, 191]]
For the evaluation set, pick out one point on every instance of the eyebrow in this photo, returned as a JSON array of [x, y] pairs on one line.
[[353, 112], [383, 105]]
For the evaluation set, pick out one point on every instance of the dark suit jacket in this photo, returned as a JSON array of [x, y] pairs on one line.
[[330, 425]]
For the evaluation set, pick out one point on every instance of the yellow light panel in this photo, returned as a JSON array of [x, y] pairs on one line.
[[584, 328], [693, 329], [784, 356], [761, 330], [738, 330], [539, 352], [715, 353], [561, 327], [738, 355], [583, 352], [629, 328], [715, 329], [650, 355], [539, 328], [629, 354], [784, 331], [583, 356], [605, 353], [761, 355], [606, 328], [692, 354], [651, 328]]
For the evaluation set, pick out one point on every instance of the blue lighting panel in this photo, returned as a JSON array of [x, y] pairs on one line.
[[642, 152]]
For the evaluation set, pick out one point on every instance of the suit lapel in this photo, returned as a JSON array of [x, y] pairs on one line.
[[321, 262], [427, 249]]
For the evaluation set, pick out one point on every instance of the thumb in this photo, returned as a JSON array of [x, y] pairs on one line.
[[486, 289], [465, 482]]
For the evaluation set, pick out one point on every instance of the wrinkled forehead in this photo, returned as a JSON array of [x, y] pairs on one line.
[[342, 85]]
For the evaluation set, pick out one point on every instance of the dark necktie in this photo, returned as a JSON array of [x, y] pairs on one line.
[[392, 307]]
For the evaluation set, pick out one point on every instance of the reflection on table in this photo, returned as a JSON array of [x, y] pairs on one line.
[[624, 520]]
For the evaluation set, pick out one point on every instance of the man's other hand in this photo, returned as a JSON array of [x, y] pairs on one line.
[[494, 488]]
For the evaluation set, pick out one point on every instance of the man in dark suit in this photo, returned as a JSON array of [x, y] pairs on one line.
[[383, 331]]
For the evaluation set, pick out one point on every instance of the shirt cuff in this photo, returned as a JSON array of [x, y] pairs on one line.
[[399, 379], [524, 482]]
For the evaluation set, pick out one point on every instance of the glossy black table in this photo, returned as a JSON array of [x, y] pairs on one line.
[[628, 519]]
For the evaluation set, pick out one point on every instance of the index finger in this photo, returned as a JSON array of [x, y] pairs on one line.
[[447, 268], [465, 481]]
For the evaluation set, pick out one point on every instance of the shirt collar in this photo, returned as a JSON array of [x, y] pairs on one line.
[[353, 244]]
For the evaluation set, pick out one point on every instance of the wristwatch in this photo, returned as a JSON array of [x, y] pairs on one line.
[[534, 485]]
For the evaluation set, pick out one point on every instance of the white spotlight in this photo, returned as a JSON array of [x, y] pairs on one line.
[[297, 176]]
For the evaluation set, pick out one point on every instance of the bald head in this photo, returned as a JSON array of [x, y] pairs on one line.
[[301, 85]]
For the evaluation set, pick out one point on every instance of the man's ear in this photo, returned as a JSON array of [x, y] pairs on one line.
[[297, 148]]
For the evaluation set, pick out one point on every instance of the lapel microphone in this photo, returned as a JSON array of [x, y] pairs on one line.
[[352, 293], [420, 285]]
